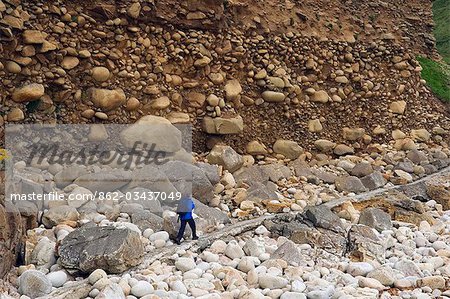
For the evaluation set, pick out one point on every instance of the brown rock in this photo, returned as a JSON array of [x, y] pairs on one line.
[[100, 73], [438, 189], [256, 148], [320, 96], [315, 126], [196, 99], [10, 235], [178, 118], [69, 62], [324, 145], [16, 114], [398, 107], [353, 133], [132, 104], [28, 93], [134, 10], [232, 89], [33, 37], [420, 135], [106, 99], [222, 126], [158, 104], [289, 149]]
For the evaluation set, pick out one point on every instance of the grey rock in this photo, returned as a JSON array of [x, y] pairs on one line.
[[146, 219], [407, 166], [251, 174], [187, 177], [253, 248], [147, 202], [210, 214], [350, 184], [385, 275], [376, 218], [276, 171], [33, 284], [59, 214], [301, 168], [226, 156], [267, 281], [259, 192], [43, 255], [151, 178], [364, 245], [417, 157], [66, 176], [211, 172], [131, 208], [408, 268], [374, 180], [362, 169], [104, 181], [288, 252], [112, 291], [322, 216], [111, 249], [325, 176]]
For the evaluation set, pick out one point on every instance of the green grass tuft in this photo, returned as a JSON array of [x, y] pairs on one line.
[[441, 16], [437, 76]]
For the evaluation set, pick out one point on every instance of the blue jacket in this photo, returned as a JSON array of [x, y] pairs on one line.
[[184, 209]]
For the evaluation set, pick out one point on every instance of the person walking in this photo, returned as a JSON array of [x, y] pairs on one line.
[[184, 211]]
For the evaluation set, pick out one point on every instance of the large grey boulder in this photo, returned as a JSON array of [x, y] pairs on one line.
[[362, 169], [276, 171], [34, 284], [111, 249], [301, 168], [325, 176], [43, 255]]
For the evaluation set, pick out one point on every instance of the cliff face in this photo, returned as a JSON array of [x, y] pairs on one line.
[[302, 70], [10, 236]]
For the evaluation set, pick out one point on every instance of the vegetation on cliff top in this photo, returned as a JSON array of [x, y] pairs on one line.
[[437, 74]]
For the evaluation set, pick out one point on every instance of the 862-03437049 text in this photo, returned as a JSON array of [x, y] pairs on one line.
[[115, 196]]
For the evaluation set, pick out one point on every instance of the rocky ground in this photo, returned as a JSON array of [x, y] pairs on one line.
[[320, 165], [314, 230]]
